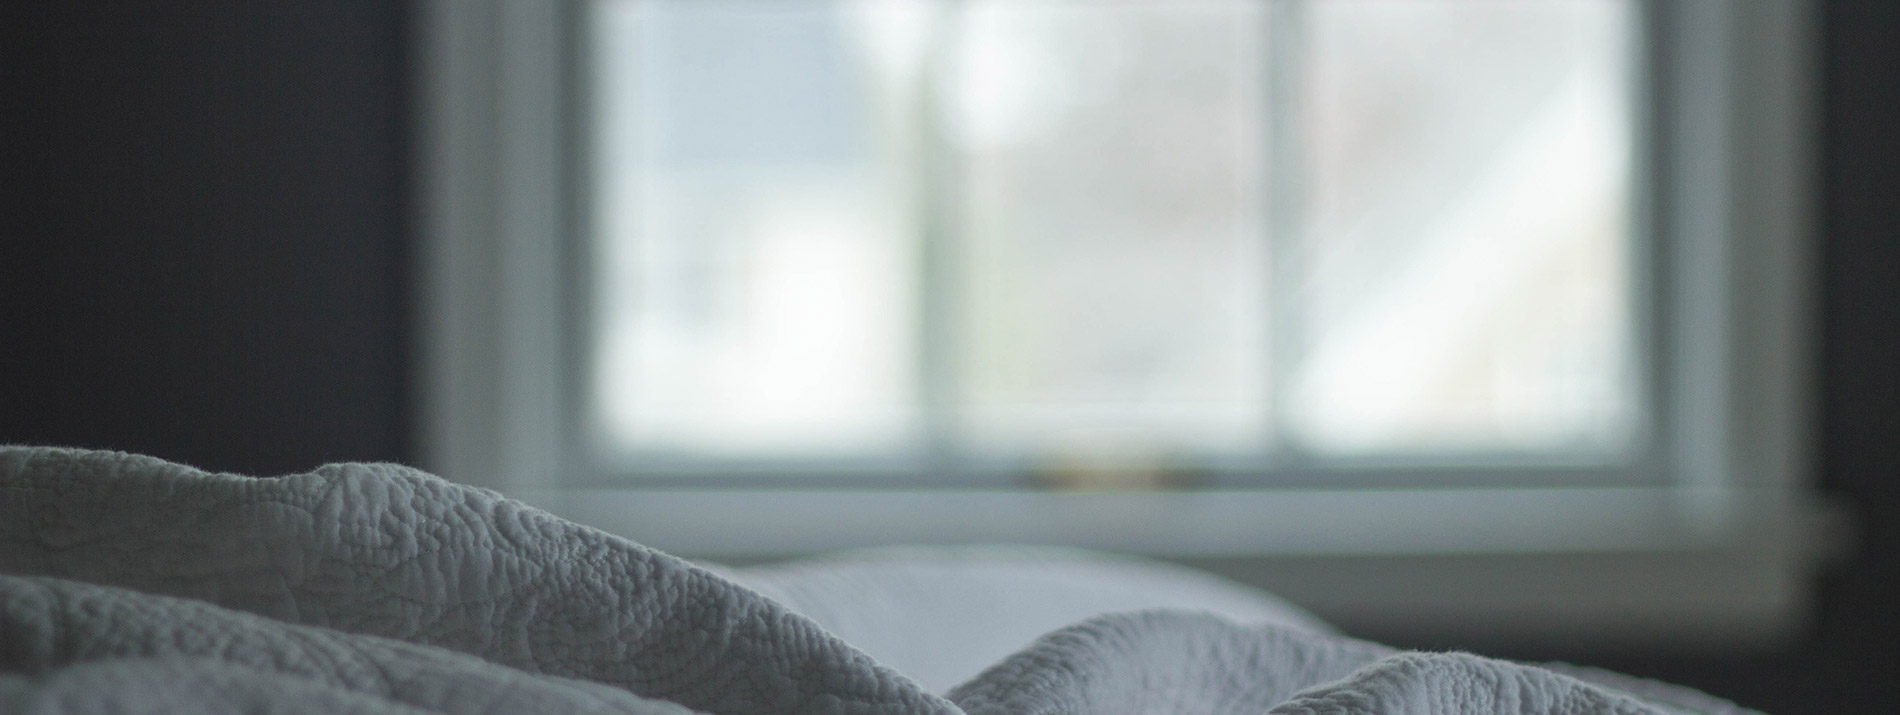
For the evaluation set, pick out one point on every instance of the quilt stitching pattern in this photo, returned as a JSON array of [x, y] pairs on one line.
[[132, 584]]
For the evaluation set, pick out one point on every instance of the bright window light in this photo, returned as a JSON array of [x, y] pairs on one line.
[[1188, 234]]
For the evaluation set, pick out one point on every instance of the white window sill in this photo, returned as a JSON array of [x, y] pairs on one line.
[[1212, 523], [1512, 569]]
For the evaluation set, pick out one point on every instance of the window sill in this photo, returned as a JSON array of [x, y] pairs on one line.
[[1510, 569], [1211, 523]]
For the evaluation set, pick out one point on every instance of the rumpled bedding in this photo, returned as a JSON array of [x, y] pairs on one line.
[[133, 585]]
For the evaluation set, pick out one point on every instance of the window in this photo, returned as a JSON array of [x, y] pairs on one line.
[[1314, 292], [1215, 237]]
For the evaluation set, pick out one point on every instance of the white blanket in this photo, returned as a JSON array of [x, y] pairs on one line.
[[133, 585]]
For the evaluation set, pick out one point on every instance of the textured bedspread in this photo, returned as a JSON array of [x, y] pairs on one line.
[[133, 585]]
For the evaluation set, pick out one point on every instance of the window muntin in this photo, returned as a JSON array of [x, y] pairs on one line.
[[1198, 232]]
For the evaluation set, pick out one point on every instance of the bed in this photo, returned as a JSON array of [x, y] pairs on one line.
[[133, 585]]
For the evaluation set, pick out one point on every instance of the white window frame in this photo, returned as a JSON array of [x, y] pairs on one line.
[[1720, 552]]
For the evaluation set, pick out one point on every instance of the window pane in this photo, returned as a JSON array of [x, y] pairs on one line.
[[1046, 229], [755, 274], [1111, 261], [1466, 253]]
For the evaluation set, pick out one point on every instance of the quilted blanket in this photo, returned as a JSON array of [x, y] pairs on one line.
[[133, 585]]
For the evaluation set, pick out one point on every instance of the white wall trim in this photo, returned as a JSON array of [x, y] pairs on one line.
[[492, 231]]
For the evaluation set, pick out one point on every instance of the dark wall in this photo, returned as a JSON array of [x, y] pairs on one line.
[[202, 241], [204, 247]]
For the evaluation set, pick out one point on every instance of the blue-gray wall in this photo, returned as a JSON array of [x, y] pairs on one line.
[[204, 239]]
